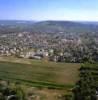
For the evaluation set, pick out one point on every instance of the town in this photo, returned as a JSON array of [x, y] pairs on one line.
[[58, 47]]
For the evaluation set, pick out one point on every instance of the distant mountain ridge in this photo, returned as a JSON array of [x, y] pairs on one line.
[[14, 22], [64, 26], [46, 26]]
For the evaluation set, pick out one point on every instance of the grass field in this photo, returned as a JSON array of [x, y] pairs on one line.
[[39, 73]]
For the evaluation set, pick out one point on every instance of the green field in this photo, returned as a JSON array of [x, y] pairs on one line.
[[39, 73]]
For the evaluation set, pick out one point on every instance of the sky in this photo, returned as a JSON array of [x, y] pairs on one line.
[[74, 10]]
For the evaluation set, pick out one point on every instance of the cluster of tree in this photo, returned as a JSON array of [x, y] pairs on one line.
[[85, 88], [8, 92]]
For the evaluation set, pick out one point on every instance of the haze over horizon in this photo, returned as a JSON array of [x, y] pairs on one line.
[[71, 10]]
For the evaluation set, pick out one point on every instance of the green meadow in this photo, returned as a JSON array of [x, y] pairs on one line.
[[39, 73]]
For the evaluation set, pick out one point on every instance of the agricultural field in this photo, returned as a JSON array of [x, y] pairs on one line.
[[53, 78], [36, 71]]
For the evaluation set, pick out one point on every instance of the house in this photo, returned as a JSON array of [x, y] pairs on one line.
[[37, 57]]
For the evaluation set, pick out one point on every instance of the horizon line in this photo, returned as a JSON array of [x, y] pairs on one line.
[[48, 20]]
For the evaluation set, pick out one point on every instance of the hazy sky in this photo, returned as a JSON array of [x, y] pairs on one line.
[[49, 9]]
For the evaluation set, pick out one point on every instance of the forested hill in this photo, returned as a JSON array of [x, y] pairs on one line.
[[9, 26], [64, 26]]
